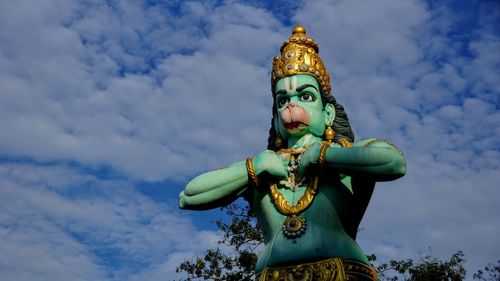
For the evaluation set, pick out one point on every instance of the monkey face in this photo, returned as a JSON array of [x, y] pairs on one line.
[[299, 107]]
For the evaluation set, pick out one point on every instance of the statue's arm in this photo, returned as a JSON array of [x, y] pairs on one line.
[[215, 188], [373, 159], [221, 187]]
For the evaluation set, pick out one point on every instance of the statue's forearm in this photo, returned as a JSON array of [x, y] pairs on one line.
[[214, 188], [379, 161]]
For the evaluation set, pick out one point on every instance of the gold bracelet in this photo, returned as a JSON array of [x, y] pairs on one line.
[[345, 143], [322, 155], [251, 172], [385, 141]]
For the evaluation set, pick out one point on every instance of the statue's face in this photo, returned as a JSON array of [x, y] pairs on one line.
[[299, 107]]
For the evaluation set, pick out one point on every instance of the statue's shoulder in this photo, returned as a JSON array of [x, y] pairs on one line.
[[363, 142], [374, 142]]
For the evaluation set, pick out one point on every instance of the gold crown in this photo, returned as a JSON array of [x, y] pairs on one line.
[[299, 55]]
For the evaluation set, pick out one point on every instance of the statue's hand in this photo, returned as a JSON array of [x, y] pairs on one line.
[[268, 161], [309, 158]]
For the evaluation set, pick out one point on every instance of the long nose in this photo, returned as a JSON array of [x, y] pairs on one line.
[[294, 113]]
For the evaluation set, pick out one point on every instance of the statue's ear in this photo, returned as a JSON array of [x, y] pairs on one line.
[[329, 113]]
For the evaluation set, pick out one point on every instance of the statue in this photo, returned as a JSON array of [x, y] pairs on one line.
[[310, 188]]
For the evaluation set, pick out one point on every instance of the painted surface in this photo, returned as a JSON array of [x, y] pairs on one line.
[[344, 189]]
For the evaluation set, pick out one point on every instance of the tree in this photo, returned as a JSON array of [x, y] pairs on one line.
[[241, 238], [424, 269], [492, 270]]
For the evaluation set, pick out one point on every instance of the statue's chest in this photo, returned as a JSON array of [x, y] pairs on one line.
[[328, 193], [307, 207], [291, 194], [288, 201]]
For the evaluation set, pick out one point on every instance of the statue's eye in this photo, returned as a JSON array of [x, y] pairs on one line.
[[283, 101], [306, 97]]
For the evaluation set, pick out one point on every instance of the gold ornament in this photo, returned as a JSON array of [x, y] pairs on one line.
[[331, 270], [251, 171], [305, 200], [294, 226], [384, 141], [329, 133], [322, 155], [334, 269], [299, 55], [345, 143]]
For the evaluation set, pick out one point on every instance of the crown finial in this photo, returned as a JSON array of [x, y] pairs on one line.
[[299, 29], [299, 55]]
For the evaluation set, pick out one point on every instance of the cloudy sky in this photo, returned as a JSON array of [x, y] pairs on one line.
[[108, 108]]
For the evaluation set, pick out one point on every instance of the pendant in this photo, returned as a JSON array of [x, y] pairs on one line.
[[292, 183], [294, 227]]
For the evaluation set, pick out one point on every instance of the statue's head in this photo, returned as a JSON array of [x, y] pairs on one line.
[[302, 94]]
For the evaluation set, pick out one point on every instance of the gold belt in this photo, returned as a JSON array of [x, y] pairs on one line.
[[334, 269]]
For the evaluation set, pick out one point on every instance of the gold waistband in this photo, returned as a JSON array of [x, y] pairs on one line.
[[334, 269]]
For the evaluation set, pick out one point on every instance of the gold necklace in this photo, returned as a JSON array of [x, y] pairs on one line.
[[305, 200], [294, 225]]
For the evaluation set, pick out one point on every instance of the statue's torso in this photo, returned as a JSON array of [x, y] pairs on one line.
[[329, 219]]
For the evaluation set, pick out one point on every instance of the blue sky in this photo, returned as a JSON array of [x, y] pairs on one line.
[[108, 108]]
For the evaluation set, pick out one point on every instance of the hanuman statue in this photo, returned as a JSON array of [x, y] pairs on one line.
[[310, 188]]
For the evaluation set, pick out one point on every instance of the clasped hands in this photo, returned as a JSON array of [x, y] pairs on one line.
[[269, 162]]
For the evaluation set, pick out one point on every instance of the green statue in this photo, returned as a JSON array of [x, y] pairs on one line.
[[310, 189]]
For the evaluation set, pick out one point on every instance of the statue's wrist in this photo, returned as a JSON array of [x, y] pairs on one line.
[[251, 172], [261, 162], [322, 156]]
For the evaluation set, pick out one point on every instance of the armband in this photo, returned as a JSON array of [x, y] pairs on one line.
[[322, 155], [252, 176]]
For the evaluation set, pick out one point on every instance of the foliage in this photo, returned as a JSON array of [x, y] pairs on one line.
[[241, 238], [424, 269], [492, 270]]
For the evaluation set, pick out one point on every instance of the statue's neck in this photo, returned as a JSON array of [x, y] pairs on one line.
[[304, 141]]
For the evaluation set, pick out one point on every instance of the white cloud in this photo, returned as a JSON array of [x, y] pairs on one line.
[[73, 104], [62, 225]]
